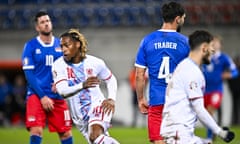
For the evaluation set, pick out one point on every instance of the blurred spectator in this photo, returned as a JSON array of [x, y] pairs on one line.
[[18, 100], [235, 91], [137, 116], [5, 100]]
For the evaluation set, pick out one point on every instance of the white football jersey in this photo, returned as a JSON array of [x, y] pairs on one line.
[[82, 103], [187, 83]]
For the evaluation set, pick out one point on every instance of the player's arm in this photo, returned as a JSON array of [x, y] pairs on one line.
[[208, 121], [67, 91], [232, 71], [203, 115], [108, 105], [29, 68], [140, 86], [111, 84], [33, 82]]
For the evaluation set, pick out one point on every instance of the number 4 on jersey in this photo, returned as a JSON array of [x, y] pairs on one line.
[[164, 70]]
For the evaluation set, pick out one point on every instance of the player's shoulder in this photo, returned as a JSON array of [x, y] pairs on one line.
[[158, 32], [59, 61], [188, 65], [56, 39], [92, 57], [32, 41]]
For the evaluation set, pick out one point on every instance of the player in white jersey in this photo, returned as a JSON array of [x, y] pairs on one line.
[[77, 77], [184, 96]]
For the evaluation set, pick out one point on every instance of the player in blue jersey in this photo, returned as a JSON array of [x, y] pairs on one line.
[[41, 102], [160, 52], [221, 68]]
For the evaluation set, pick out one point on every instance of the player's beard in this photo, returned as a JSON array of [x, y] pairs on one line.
[[46, 33], [206, 59], [179, 28]]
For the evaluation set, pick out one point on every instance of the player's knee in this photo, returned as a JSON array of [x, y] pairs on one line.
[[38, 131], [65, 135]]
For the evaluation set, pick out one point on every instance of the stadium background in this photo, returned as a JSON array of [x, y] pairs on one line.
[[114, 29]]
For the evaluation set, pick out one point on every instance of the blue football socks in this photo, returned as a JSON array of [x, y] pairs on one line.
[[67, 141], [34, 139]]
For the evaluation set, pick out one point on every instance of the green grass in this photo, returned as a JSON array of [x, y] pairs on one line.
[[124, 134]]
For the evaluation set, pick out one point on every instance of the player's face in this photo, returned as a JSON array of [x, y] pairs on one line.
[[217, 44], [44, 25], [210, 50], [70, 49]]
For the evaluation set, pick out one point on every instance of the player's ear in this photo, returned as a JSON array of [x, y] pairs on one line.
[[36, 27], [178, 19], [204, 47]]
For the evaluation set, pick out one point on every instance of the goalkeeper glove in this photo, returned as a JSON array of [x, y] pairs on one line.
[[226, 134]]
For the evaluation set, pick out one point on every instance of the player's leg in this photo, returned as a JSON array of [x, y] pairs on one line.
[[97, 135], [182, 135], [35, 119], [99, 123], [82, 126], [154, 124], [59, 121]]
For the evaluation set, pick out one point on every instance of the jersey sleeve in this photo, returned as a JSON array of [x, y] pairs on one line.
[[58, 72], [27, 57], [194, 86], [60, 76], [28, 68], [141, 56], [104, 71]]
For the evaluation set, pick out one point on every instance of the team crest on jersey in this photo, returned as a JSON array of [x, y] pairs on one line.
[[89, 71], [58, 49], [193, 85], [38, 51]]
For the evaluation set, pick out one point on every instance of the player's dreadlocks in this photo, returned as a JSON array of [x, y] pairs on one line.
[[77, 36]]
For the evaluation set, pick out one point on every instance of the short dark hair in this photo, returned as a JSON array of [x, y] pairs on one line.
[[39, 14], [198, 37], [171, 10]]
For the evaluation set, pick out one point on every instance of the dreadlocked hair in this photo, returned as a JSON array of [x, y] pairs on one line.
[[77, 36]]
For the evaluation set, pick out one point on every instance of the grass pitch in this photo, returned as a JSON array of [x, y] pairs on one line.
[[125, 135]]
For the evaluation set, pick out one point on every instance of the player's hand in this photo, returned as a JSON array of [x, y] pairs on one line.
[[143, 106], [226, 134], [47, 103], [108, 106], [91, 82]]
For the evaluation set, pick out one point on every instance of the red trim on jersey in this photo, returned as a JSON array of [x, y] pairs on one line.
[[109, 77], [60, 81], [101, 140]]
